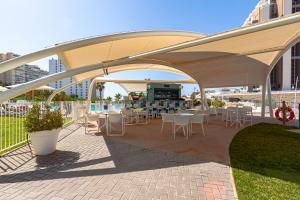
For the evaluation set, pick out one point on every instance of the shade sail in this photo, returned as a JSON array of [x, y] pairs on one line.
[[100, 72], [123, 46], [245, 58], [2, 89], [238, 57], [134, 87], [141, 85], [44, 87]]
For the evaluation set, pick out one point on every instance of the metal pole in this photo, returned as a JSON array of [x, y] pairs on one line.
[[299, 115], [270, 98], [295, 98], [202, 98], [263, 100], [284, 113]]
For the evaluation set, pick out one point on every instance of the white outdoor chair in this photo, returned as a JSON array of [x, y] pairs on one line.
[[222, 113], [148, 104], [181, 122], [80, 114], [213, 112], [166, 118], [142, 117], [90, 118], [246, 115], [130, 116], [154, 111], [116, 120], [232, 116], [171, 108], [197, 119]]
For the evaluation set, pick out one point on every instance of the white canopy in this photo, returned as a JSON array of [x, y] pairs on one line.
[[140, 85], [2, 89], [243, 56], [44, 87]]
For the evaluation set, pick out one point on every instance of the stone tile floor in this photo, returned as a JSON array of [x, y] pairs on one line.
[[96, 167]]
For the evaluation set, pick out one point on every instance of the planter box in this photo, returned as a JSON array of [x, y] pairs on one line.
[[44, 142]]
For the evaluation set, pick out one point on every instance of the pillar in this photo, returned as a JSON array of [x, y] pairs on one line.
[[270, 97], [202, 98], [263, 100]]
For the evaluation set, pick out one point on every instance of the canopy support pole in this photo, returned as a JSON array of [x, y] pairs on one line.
[[59, 90], [202, 97], [270, 97], [263, 100], [90, 91]]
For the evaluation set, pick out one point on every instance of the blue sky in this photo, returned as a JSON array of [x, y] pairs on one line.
[[30, 25]]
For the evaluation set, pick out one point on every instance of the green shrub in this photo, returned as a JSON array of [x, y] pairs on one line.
[[38, 121], [217, 103], [196, 102]]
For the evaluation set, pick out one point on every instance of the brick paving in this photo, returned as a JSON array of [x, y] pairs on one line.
[[97, 167]]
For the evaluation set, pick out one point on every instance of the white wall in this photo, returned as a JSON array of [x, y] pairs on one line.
[[286, 70], [287, 7]]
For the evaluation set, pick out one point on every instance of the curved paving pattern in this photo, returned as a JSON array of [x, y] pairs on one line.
[[97, 167]]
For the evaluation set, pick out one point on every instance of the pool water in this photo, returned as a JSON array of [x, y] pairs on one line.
[[54, 107], [116, 107]]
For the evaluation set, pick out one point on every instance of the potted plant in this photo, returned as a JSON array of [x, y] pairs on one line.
[[43, 128]]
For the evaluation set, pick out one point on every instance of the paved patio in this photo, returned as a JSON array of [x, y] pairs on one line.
[[143, 164]]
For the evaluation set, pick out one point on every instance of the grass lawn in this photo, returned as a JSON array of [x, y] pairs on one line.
[[12, 131], [266, 163]]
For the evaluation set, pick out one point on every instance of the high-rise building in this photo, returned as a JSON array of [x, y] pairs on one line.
[[286, 73], [21, 74], [81, 90]]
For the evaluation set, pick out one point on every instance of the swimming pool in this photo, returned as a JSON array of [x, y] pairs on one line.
[[116, 107]]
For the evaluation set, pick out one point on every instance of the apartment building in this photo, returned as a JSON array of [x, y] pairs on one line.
[[286, 73], [81, 90], [21, 74]]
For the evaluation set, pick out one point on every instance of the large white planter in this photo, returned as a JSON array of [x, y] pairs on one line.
[[44, 142]]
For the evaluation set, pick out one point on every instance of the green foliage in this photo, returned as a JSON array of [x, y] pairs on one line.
[[141, 94], [100, 86], [40, 98], [64, 97], [196, 102], [132, 94], [108, 99], [209, 102], [118, 97], [217, 103], [38, 121]]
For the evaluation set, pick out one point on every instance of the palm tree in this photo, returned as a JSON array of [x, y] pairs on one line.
[[100, 86], [118, 96], [108, 99]]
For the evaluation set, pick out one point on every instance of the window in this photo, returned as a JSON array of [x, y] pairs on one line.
[[296, 2], [296, 6], [295, 71]]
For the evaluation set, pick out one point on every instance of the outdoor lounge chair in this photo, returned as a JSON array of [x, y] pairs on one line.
[[91, 118]]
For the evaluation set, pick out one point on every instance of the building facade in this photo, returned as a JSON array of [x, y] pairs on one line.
[[286, 73], [80, 90], [21, 74]]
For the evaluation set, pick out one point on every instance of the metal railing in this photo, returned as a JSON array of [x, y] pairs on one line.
[[12, 117], [12, 131]]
